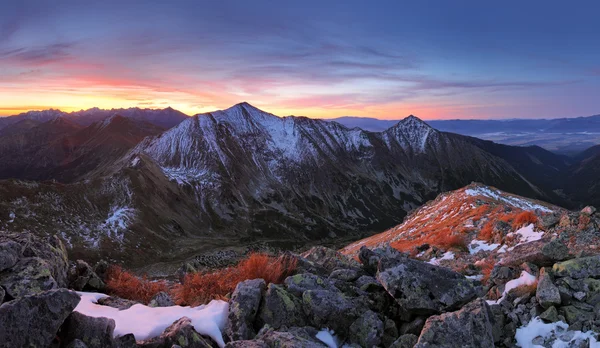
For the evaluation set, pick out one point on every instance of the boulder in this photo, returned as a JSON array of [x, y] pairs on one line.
[[126, 341], [299, 283], [421, 288], [540, 253], [471, 326], [405, 341], [2, 293], [247, 344], [367, 330], [347, 275], [33, 321], [330, 259], [117, 302], [10, 252], [370, 258], [94, 332], [331, 309], [29, 276], [77, 344], [547, 293], [550, 315], [368, 284], [294, 337], [281, 308], [181, 333], [243, 307], [82, 277], [162, 299], [584, 267]]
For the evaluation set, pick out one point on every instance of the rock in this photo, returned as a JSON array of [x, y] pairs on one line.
[[33, 321], [294, 337], [94, 332], [368, 284], [182, 333], [548, 221], [422, 288], [390, 332], [370, 258], [299, 283], [498, 322], [330, 259], [117, 302], [77, 344], [589, 210], [243, 307], [405, 341], [502, 274], [584, 267], [126, 341], [281, 308], [413, 327], [101, 269], [29, 276], [471, 326], [367, 330], [540, 253], [9, 254], [550, 315], [82, 277], [162, 299], [247, 344], [2, 293], [347, 275], [547, 293], [331, 309]]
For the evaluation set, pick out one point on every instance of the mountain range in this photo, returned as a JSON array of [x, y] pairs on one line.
[[120, 185]]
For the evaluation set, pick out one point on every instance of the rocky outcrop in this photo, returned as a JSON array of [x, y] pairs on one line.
[[180, 333], [547, 293], [93, 332], [243, 307], [422, 288], [82, 277], [471, 326], [34, 320]]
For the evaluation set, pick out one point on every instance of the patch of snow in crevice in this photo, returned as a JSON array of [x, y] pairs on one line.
[[527, 234], [478, 245], [564, 338], [475, 277], [524, 279], [135, 161], [12, 217], [119, 219], [448, 255], [147, 322], [328, 338]]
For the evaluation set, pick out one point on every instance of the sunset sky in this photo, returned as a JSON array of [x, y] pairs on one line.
[[385, 59]]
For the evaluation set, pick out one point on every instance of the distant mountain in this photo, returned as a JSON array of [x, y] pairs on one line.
[[563, 135], [165, 118]]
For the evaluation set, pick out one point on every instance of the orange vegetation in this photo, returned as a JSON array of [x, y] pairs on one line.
[[198, 288], [486, 266], [126, 285], [524, 218], [486, 232]]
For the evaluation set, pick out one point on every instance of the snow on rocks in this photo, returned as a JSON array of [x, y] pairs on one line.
[[524, 279], [448, 255], [527, 234], [328, 337], [515, 201], [480, 245], [147, 322], [539, 334]]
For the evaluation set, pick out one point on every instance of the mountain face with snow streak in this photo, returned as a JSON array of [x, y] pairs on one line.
[[265, 175]]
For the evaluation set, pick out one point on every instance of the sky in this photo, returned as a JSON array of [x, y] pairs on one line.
[[384, 59]]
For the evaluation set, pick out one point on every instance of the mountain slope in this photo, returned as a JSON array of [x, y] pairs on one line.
[[164, 118]]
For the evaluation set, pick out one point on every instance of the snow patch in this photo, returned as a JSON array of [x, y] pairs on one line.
[[448, 255], [559, 330], [478, 245], [147, 322], [527, 234], [328, 337], [512, 200], [524, 279]]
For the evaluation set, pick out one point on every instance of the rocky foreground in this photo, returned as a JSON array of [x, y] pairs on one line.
[[383, 298]]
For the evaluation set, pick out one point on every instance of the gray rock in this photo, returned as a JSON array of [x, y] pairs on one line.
[[370, 258], [502, 274], [405, 341], [422, 288], [330, 259], [33, 321], [573, 314], [367, 330], [414, 326], [243, 308], [77, 344], [29, 276], [81, 276], [331, 309], [10, 252], [247, 344], [498, 322], [126, 341], [299, 283], [294, 337], [547, 293], [347, 275], [540, 253], [555, 250], [182, 333], [584, 267], [117, 302], [2, 293], [390, 332], [162, 299], [550, 315], [471, 326], [368, 283], [94, 332], [281, 308]]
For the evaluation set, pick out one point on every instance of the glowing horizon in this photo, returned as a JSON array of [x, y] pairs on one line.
[[448, 61]]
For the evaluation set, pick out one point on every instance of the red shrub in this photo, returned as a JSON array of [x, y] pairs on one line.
[[126, 285], [450, 241], [199, 288], [524, 218], [486, 232]]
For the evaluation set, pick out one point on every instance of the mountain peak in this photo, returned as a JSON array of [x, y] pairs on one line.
[[414, 120]]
